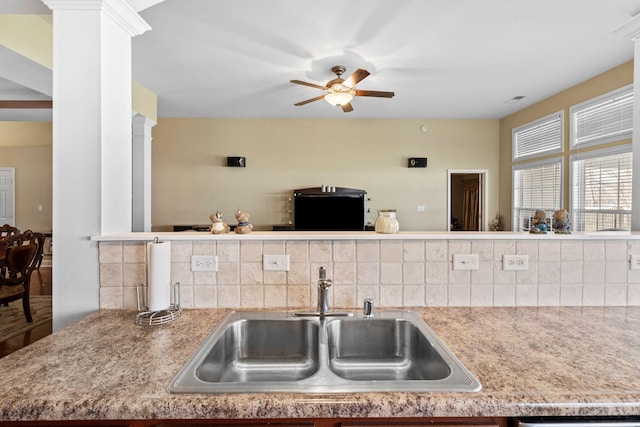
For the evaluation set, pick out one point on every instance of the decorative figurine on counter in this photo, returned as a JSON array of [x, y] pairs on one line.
[[243, 226], [497, 224], [561, 223], [217, 226], [539, 223]]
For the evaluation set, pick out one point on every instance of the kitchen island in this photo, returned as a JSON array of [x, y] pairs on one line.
[[531, 361]]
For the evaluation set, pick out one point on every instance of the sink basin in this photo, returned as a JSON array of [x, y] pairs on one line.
[[383, 350], [262, 350], [254, 351]]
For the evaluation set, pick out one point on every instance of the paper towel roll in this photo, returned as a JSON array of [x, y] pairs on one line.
[[159, 275]]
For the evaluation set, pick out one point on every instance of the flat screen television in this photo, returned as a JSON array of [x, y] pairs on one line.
[[339, 210]]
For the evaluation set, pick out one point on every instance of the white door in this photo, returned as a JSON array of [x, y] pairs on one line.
[[7, 196]]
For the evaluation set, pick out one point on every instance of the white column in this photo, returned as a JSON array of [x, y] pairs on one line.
[[142, 173], [631, 30], [91, 142]]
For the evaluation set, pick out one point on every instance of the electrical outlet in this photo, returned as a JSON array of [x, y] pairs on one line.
[[466, 262], [634, 262], [204, 263], [515, 262], [275, 263], [420, 208]]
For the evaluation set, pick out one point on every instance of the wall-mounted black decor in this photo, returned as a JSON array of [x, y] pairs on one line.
[[237, 162], [417, 162]]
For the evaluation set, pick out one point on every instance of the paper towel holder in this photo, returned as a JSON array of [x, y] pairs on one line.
[[145, 317]]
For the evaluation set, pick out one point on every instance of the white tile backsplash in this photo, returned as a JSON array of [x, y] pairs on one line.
[[615, 250], [398, 273], [593, 250], [344, 251], [413, 250], [251, 251], [320, 251], [111, 252], [367, 251], [436, 250], [391, 251]]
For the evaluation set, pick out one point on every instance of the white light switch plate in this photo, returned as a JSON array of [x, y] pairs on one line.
[[634, 262], [275, 263], [466, 262]]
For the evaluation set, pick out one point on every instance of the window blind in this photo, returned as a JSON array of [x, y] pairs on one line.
[[536, 187], [607, 118], [543, 136], [601, 192]]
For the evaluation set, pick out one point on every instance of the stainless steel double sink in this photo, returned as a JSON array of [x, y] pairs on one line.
[[256, 351]]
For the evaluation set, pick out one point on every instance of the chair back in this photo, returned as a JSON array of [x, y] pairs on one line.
[[27, 238], [19, 260], [8, 231]]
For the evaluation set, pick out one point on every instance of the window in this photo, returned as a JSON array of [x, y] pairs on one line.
[[607, 118], [601, 179], [541, 137], [601, 190], [535, 187]]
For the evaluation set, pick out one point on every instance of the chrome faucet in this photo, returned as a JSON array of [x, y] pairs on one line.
[[323, 299], [323, 295]]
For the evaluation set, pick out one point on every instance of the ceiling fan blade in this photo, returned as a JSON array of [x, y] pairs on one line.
[[300, 82], [347, 107], [377, 93], [317, 98], [355, 78]]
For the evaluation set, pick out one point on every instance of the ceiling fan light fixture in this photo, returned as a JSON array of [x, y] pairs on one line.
[[339, 95], [340, 92], [338, 99]]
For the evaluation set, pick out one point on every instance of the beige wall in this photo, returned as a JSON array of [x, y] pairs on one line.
[[143, 101], [603, 83], [191, 180], [29, 35], [26, 146]]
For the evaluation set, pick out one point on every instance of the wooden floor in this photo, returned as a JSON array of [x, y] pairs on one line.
[[40, 285]]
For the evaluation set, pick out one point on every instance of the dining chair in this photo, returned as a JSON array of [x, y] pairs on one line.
[[8, 231], [22, 256]]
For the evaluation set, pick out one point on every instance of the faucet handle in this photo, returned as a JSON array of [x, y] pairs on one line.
[[323, 282], [368, 307]]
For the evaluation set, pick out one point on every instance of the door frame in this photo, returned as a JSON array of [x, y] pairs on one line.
[[483, 177], [12, 202]]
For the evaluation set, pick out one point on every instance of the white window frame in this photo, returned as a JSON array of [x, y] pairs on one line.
[[559, 148], [585, 155], [548, 209], [599, 101]]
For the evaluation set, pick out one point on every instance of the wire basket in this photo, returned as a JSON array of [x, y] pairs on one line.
[[146, 317]]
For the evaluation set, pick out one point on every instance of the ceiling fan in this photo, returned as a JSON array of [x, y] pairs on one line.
[[340, 92]]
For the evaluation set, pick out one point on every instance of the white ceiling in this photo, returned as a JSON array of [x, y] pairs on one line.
[[443, 59]]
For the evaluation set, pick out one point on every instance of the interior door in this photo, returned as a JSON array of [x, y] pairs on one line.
[[467, 193], [7, 196]]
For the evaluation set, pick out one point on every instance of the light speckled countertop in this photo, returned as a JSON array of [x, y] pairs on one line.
[[530, 361]]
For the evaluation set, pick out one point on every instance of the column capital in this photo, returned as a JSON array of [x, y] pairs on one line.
[[630, 29], [140, 119], [120, 11]]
